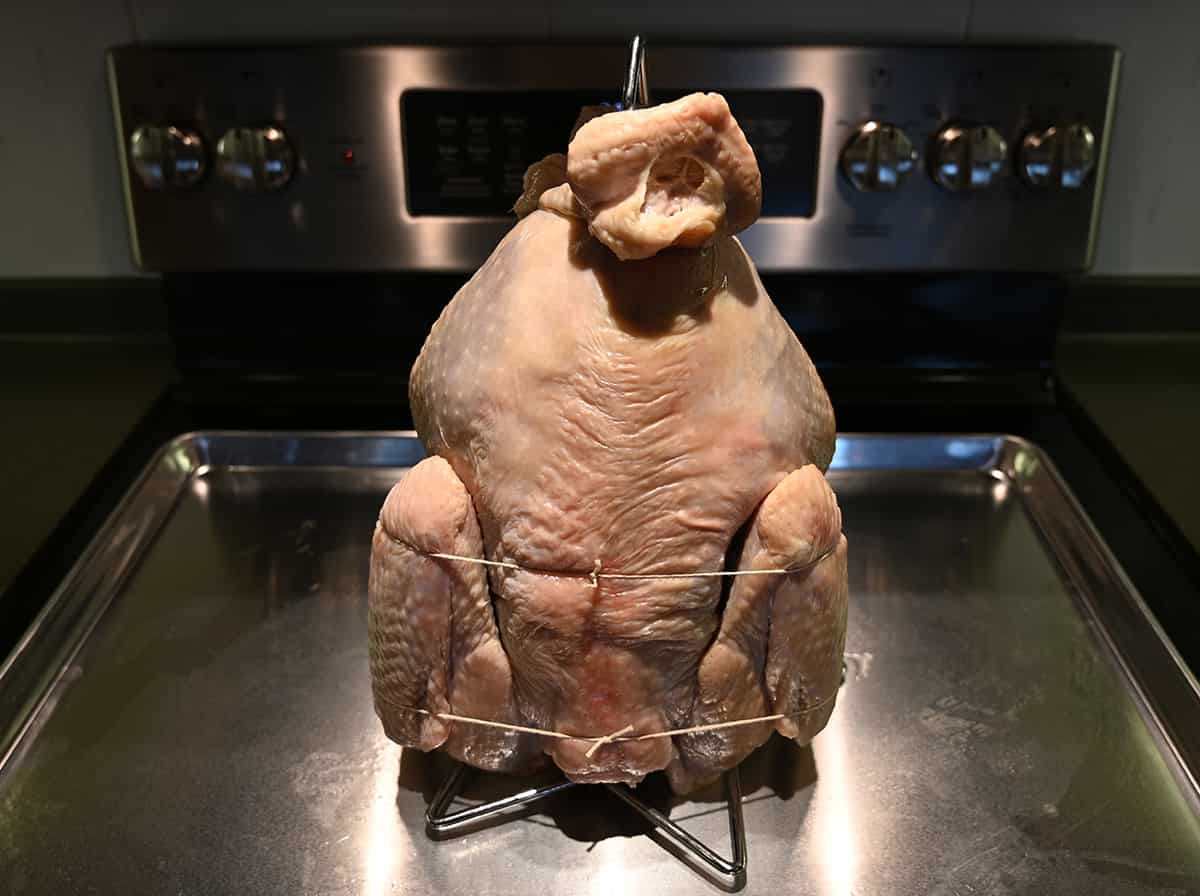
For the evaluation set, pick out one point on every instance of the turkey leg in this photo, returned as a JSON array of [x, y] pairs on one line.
[[433, 640], [779, 648]]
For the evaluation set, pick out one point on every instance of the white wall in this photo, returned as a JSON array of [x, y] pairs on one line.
[[60, 203], [61, 211]]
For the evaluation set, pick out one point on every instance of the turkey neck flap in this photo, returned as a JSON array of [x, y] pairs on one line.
[[679, 175]]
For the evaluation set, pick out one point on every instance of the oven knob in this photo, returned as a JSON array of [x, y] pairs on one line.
[[878, 157], [1058, 156], [165, 157], [968, 158], [256, 159]]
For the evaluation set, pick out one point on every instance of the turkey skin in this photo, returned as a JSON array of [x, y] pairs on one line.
[[614, 391]]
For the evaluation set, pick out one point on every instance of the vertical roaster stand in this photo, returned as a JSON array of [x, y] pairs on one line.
[[730, 873], [443, 824]]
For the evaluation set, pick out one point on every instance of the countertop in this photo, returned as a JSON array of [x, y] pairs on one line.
[[65, 407], [1143, 392]]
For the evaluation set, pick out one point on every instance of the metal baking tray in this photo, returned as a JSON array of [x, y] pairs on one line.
[[191, 712]]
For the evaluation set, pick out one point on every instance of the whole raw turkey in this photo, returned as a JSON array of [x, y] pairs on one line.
[[613, 390]]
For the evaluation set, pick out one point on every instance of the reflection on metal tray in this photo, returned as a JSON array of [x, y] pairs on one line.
[[192, 713]]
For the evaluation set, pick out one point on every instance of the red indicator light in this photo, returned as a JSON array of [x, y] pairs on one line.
[[348, 156]]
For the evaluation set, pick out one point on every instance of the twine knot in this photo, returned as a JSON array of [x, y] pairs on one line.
[[608, 738]]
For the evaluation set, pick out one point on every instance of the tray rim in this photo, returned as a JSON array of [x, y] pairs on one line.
[[1162, 686]]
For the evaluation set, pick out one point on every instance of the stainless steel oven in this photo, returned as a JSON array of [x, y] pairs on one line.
[[409, 157]]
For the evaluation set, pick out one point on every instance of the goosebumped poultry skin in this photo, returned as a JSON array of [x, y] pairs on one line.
[[589, 400]]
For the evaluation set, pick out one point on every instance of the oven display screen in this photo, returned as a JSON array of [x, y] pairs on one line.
[[466, 151]]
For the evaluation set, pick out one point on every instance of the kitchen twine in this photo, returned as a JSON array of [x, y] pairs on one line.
[[597, 574]]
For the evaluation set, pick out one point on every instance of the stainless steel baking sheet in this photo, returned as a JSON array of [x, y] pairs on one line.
[[192, 714]]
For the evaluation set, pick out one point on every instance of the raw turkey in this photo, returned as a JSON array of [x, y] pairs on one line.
[[614, 391]]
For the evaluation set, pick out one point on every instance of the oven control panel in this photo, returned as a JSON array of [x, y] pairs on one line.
[[404, 158]]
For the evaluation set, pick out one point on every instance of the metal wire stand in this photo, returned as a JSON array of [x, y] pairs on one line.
[[730, 874], [441, 824]]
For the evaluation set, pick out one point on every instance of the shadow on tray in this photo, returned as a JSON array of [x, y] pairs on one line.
[[590, 813]]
